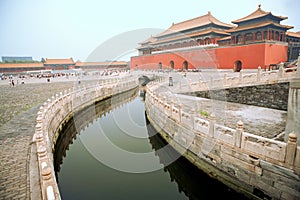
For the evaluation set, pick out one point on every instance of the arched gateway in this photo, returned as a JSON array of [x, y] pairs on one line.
[[172, 64], [185, 65]]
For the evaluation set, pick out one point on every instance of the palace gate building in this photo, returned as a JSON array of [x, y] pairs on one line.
[[258, 39]]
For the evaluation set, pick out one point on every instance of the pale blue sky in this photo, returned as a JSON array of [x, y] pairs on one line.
[[70, 28]]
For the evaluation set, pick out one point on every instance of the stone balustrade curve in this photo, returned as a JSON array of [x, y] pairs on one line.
[[246, 79], [262, 166], [58, 110]]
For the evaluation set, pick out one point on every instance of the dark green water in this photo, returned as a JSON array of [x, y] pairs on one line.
[[116, 156]]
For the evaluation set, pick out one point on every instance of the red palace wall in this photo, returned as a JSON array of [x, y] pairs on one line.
[[251, 56]]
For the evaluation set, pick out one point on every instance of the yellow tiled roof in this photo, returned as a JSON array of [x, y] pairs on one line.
[[257, 14]]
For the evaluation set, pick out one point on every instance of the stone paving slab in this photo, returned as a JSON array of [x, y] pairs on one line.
[[18, 109], [14, 179]]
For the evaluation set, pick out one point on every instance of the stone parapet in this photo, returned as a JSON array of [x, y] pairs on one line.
[[59, 109], [245, 79], [259, 167]]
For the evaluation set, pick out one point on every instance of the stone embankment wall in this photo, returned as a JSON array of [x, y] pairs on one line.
[[57, 111], [268, 95], [266, 89], [258, 167]]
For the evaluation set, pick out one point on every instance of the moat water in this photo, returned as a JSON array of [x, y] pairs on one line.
[[110, 151]]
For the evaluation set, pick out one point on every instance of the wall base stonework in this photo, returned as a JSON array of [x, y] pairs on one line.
[[207, 167], [268, 95]]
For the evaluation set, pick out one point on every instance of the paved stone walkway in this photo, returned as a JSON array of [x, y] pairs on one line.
[[18, 108], [15, 141]]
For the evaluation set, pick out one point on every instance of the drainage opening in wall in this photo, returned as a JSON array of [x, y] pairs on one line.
[[261, 194]]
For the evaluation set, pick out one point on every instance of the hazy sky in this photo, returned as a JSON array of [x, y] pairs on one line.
[[70, 28]]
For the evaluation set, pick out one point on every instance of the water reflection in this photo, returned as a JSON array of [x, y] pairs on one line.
[[83, 119], [194, 183], [81, 176]]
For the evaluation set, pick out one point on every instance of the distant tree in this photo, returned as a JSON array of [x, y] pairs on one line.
[[43, 60]]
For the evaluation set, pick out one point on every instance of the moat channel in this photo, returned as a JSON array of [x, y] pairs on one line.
[[88, 165]]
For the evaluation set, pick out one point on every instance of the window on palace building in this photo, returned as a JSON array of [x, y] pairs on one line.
[[185, 44], [199, 41], [239, 39], [266, 35], [207, 40], [258, 36], [249, 37], [276, 35], [281, 36]]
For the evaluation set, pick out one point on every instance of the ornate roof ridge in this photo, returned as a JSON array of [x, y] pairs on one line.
[[193, 23], [257, 14]]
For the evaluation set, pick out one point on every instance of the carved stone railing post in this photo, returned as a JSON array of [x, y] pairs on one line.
[[193, 115], [49, 103], [171, 106], [52, 100], [238, 134], [280, 71], [241, 77], [258, 76], [180, 111], [225, 79], [291, 149], [211, 127], [211, 82], [154, 98], [164, 101]]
